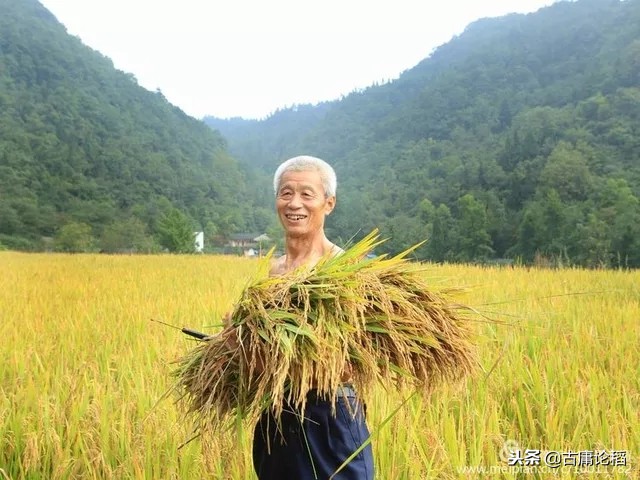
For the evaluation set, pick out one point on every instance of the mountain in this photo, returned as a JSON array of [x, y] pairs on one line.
[[516, 140], [83, 145]]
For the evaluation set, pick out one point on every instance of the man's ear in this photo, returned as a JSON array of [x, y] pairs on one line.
[[330, 205]]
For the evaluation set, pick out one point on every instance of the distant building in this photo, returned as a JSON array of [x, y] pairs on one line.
[[199, 241], [250, 243], [262, 238], [243, 240]]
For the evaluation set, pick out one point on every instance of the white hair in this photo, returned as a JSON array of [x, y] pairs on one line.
[[305, 163]]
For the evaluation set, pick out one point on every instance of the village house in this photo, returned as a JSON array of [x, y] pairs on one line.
[[250, 243]]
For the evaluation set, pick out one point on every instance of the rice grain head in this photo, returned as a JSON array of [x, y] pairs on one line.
[[377, 317]]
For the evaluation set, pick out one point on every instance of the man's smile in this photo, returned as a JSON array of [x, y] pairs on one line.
[[295, 217]]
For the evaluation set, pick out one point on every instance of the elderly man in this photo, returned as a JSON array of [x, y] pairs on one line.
[[315, 446]]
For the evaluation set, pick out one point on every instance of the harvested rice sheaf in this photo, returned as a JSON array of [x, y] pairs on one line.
[[375, 317]]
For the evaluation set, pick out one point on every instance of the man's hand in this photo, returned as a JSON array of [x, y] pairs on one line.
[[232, 341]]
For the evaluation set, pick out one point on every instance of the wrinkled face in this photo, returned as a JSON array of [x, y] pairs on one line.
[[301, 203]]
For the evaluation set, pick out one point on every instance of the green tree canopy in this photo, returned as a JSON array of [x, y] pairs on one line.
[[176, 232]]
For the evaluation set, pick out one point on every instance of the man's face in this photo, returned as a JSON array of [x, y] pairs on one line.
[[301, 203]]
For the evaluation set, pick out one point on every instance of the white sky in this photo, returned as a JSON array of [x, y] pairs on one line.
[[250, 57]]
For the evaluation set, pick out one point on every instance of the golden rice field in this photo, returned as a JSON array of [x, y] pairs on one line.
[[83, 370]]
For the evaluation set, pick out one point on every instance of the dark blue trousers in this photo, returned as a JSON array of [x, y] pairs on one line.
[[314, 447]]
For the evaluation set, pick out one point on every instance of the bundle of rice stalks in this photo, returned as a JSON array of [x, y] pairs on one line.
[[375, 317]]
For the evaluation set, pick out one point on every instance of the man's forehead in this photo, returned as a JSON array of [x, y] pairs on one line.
[[305, 179]]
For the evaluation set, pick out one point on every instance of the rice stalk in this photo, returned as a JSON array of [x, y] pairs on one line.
[[375, 317]]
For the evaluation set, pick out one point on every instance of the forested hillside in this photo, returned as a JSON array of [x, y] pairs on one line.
[[90, 160], [518, 139]]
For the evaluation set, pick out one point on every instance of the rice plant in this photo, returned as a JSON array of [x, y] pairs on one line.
[[83, 370]]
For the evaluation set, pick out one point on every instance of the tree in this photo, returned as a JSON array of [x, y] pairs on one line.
[[474, 242], [567, 173], [176, 232], [73, 237], [529, 231], [443, 234], [595, 240], [127, 235], [620, 209], [404, 232]]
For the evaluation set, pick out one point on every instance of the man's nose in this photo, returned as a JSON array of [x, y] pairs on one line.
[[295, 201]]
